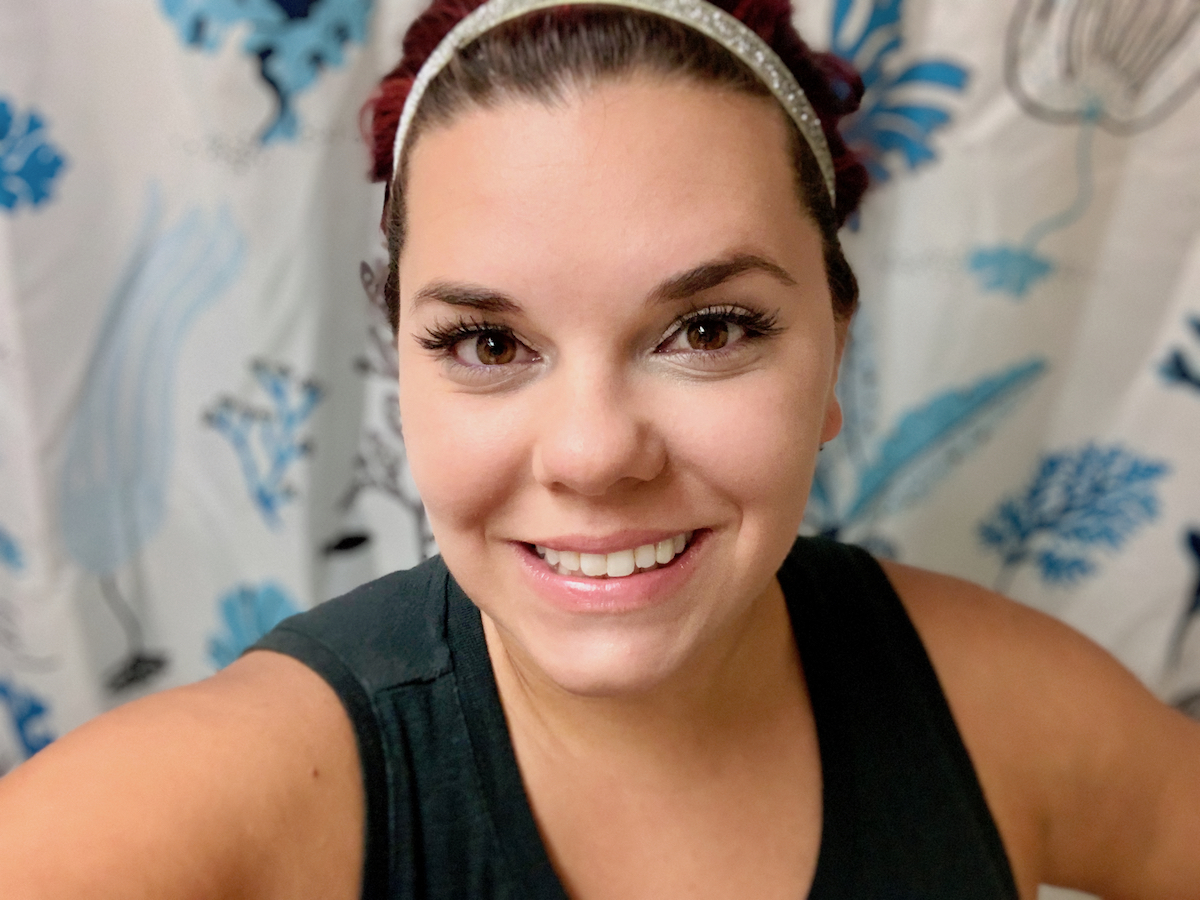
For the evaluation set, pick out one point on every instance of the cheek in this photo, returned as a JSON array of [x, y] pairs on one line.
[[464, 451], [755, 441]]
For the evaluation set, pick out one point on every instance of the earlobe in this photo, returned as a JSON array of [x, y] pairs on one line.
[[833, 419], [833, 408]]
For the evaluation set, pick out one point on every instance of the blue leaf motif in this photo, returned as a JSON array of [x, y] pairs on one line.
[[293, 41], [884, 18], [247, 612], [267, 440], [935, 71], [29, 714], [1078, 502], [926, 118], [29, 161], [1007, 269], [10, 552], [929, 441], [889, 121]]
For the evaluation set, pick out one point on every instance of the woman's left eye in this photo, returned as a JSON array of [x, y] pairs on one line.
[[714, 330], [704, 335], [490, 348]]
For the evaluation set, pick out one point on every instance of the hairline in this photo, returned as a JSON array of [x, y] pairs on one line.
[[814, 204]]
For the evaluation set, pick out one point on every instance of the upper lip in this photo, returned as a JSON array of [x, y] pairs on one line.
[[608, 543]]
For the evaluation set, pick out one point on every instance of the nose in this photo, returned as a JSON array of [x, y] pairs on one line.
[[596, 435]]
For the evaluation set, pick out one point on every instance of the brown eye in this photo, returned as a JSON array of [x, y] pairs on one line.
[[708, 334], [495, 348]]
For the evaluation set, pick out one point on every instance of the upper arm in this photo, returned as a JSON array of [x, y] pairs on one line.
[[244, 785], [1094, 783]]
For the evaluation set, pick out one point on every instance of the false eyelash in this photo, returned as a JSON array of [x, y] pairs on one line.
[[755, 324], [444, 337]]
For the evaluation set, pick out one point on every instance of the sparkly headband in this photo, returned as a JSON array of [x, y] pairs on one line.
[[699, 15]]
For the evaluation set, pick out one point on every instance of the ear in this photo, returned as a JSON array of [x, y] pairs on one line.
[[833, 418], [833, 408]]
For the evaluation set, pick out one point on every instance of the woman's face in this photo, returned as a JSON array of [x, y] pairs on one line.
[[615, 330]]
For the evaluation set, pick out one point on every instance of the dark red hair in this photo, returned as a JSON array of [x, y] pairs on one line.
[[538, 55], [832, 86]]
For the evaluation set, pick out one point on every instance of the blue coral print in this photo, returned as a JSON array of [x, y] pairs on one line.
[[1079, 503], [29, 160], [1120, 65], [293, 41], [247, 613], [267, 440], [11, 556], [864, 475], [898, 118], [29, 715], [1182, 367]]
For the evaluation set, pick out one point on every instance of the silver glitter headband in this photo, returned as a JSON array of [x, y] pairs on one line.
[[700, 15]]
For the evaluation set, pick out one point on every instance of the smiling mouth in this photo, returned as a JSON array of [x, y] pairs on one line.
[[617, 564]]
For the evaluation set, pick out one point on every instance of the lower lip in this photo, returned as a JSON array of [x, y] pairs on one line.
[[580, 594]]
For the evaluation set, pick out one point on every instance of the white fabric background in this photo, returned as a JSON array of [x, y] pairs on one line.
[[190, 273]]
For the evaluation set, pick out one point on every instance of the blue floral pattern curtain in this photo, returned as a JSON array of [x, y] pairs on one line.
[[198, 432]]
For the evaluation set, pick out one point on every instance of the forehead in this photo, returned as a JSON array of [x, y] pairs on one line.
[[620, 182]]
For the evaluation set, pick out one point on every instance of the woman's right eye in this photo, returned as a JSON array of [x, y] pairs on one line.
[[489, 348]]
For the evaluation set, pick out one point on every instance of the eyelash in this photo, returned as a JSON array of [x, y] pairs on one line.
[[755, 325], [444, 338]]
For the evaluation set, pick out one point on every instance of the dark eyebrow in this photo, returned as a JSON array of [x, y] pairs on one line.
[[469, 295], [678, 287], [710, 274]]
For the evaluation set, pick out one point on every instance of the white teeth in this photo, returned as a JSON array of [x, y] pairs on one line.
[[620, 564], [617, 564], [643, 556], [593, 564]]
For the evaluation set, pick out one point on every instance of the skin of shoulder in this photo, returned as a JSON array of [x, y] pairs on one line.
[[246, 784], [1093, 782]]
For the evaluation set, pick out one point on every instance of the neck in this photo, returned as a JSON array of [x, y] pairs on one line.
[[743, 685]]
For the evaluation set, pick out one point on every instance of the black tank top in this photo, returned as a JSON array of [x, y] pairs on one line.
[[447, 816]]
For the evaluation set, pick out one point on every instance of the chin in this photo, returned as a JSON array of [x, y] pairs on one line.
[[607, 678], [614, 660]]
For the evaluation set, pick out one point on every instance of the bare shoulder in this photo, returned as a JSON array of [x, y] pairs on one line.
[[243, 785], [1094, 783]]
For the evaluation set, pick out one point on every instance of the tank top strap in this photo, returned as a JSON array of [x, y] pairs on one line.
[[904, 814]]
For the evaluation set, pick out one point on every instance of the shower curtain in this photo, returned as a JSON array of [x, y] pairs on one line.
[[198, 427]]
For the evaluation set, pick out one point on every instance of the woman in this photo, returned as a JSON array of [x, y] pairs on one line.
[[620, 306]]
